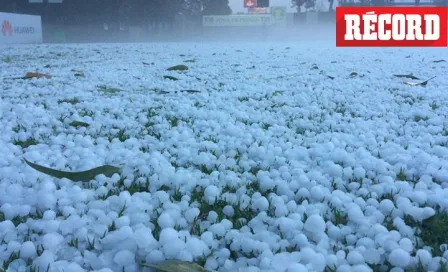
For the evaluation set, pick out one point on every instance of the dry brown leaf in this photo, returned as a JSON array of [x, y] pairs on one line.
[[30, 75]]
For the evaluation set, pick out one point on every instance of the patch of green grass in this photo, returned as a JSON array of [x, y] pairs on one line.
[[434, 106], [12, 257], [90, 244], [85, 112], [19, 128], [121, 135], [278, 93], [266, 126], [239, 218], [339, 218], [418, 118], [211, 139], [389, 223], [278, 105], [7, 59], [152, 112], [72, 101], [173, 121], [433, 232], [445, 132], [243, 99], [254, 170], [27, 143], [73, 243], [203, 168], [177, 195], [112, 227], [19, 220], [341, 110], [108, 90], [401, 175], [137, 188]]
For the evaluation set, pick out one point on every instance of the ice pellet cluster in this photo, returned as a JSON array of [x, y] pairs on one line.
[[260, 157]]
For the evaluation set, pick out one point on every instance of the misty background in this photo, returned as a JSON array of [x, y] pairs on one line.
[[181, 20]]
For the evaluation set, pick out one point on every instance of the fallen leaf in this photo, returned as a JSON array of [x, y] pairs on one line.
[[30, 75], [190, 91], [437, 61], [79, 124], [80, 74], [411, 76], [176, 266], [170, 78], [109, 90], [422, 83], [353, 74], [84, 176], [178, 68], [323, 73]]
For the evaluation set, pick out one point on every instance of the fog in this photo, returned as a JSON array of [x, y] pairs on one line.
[[292, 32]]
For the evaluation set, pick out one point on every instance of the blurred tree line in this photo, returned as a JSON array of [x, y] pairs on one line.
[[310, 4], [131, 12]]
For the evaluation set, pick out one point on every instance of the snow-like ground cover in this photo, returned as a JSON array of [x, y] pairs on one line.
[[271, 166]]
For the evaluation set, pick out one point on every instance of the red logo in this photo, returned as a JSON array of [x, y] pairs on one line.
[[6, 28], [391, 26], [250, 3]]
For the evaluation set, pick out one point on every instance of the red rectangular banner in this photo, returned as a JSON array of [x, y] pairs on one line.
[[391, 26], [250, 3]]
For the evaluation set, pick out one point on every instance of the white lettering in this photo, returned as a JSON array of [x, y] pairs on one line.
[[369, 28], [432, 27], [396, 27], [384, 34], [352, 31]]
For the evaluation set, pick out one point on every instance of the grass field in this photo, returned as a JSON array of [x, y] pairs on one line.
[[243, 157]]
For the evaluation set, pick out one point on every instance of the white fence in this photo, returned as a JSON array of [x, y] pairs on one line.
[[20, 28]]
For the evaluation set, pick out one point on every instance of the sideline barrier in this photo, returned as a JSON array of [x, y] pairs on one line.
[[20, 28], [238, 20]]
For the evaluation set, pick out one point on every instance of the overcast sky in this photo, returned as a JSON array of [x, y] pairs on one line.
[[238, 5]]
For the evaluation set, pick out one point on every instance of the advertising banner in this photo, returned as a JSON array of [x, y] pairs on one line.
[[239, 20], [250, 3], [20, 28]]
